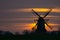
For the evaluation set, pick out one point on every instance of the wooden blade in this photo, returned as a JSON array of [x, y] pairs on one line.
[[48, 25], [36, 13], [47, 13]]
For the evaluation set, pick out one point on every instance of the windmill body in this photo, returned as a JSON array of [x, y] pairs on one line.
[[40, 25]]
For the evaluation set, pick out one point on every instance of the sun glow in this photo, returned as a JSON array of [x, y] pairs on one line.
[[33, 25], [30, 26], [41, 9]]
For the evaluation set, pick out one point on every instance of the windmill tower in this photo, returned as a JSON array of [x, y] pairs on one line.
[[41, 22]]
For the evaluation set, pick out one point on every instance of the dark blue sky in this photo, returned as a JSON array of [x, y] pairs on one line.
[[17, 21]]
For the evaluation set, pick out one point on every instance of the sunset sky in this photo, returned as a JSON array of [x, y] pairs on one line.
[[16, 15]]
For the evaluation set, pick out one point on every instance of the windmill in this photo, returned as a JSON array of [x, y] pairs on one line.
[[41, 22]]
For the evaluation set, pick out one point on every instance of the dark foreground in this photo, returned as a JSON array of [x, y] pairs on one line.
[[31, 36]]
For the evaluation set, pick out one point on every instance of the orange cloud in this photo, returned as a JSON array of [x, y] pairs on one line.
[[35, 9], [39, 9]]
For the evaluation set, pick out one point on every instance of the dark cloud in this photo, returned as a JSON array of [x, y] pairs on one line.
[[13, 4]]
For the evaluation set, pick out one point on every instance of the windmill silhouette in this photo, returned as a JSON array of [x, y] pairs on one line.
[[41, 22]]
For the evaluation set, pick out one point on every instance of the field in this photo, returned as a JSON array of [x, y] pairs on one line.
[[31, 36]]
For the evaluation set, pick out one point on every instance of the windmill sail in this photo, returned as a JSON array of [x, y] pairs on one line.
[[41, 22], [48, 25], [36, 13], [47, 13]]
